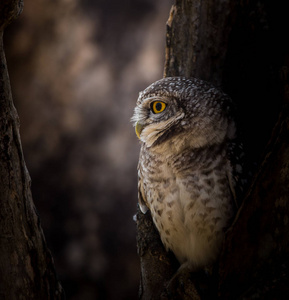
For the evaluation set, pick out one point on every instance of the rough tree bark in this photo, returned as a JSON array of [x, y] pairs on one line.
[[240, 47], [26, 265]]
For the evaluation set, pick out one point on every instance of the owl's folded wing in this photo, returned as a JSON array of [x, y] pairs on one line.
[[141, 197]]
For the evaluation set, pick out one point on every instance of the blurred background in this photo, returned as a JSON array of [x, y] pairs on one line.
[[76, 68]]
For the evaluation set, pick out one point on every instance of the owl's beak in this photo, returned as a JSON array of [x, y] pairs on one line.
[[138, 129]]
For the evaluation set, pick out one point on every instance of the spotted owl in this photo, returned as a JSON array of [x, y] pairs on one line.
[[188, 166]]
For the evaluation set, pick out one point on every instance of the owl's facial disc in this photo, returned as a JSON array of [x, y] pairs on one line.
[[151, 111], [156, 107], [155, 117], [156, 130]]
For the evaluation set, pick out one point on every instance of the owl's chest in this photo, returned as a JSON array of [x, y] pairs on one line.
[[190, 202], [178, 193], [180, 181], [175, 192]]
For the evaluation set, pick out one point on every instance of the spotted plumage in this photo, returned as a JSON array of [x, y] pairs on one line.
[[187, 178]]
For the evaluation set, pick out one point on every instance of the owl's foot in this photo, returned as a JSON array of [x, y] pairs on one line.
[[189, 285], [181, 286]]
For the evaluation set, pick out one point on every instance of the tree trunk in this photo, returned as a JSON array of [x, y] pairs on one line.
[[26, 265], [240, 47]]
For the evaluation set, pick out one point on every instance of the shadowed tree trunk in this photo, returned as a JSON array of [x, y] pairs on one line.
[[26, 265], [241, 47]]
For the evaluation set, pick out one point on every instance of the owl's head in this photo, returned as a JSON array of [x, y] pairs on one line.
[[183, 112]]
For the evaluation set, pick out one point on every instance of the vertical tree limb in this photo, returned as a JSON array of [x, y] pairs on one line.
[[197, 39], [26, 265]]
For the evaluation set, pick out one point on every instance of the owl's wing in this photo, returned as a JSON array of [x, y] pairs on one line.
[[141, 194], [236, 174], [232, 184]]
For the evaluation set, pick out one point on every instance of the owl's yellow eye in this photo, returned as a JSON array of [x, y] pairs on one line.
[[158, 106]]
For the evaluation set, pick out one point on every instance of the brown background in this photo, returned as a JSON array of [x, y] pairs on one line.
[[76, 68]]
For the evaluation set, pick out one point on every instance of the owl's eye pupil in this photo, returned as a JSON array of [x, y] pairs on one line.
[[158, 107]]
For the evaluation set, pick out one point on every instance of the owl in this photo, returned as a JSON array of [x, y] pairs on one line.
[[189, 165]]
